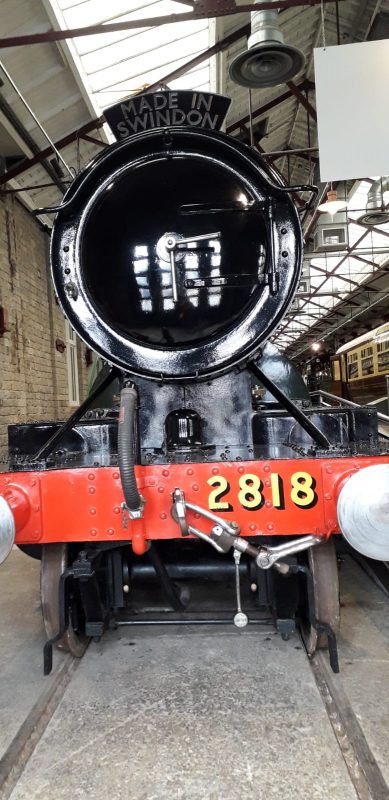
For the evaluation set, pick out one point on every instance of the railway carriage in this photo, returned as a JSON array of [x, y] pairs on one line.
[[360, 368]]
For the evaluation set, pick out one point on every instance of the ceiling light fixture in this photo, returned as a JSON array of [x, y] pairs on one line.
[[332, 204], [268, 60]]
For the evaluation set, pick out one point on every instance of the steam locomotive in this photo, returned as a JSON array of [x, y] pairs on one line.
[[175, 254]]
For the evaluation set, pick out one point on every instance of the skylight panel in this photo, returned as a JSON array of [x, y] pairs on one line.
[[136, 71], [135, 42], [116, 64], [196, 79], [94, 12]]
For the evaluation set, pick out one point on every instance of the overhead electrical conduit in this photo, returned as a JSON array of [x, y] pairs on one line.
[[376, 213]]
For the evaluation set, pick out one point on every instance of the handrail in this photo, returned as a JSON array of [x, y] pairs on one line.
[[343, 402]]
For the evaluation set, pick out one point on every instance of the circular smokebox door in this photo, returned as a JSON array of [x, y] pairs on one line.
[[166, 262]]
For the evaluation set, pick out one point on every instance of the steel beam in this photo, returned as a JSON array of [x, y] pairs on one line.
[[93, 140], [81, 133], [343, 278], [330, 274], [302, 99], [366, 260], [93, 125], [204, 9], [370, 228], [298, 152], [219, 47], [366, 309], [21, 131], [268, 106], [31, 188]]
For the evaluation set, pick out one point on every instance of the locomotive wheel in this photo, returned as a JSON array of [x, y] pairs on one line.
[[323, 564], [53, 562]]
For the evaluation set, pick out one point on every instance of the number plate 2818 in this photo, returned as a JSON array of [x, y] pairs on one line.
[[298, 489]]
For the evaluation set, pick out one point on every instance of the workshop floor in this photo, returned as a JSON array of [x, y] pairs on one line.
[[193, 714]]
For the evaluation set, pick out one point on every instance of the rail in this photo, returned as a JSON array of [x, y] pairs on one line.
[[322, 396]]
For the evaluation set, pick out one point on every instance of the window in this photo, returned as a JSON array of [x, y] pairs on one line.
[[352, 365], [336, 370], [71, 354], [383, 361], [367, 366], [367, 351]]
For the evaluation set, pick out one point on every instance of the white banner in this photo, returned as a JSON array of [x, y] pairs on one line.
[[352, 99]]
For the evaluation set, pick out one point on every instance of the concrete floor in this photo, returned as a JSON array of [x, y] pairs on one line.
[[195, 714], [189, 716], [21, 642], [364, 648]]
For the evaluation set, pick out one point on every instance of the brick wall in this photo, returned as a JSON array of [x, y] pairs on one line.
[[33, 374]]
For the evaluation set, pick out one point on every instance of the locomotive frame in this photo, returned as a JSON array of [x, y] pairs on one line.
[[195, 455]]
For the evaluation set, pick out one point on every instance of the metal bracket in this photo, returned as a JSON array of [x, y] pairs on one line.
[[319, 625], [297, 413], [240, 619], [225, 535], [48, 447], [133, 513], [173, 245], [268, 556], [179, 511]]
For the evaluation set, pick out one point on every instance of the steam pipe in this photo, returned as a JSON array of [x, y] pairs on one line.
[[127, 446]]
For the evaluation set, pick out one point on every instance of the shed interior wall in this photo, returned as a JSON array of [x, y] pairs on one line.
[[33, 373]]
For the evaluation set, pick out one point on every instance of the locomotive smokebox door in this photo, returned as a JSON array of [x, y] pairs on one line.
[[176, 253]]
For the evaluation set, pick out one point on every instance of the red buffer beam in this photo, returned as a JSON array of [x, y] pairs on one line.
[[273, 498]]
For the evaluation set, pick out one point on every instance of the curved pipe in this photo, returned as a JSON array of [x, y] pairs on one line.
[[126, 447]]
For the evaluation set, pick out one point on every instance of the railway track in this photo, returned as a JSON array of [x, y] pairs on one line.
[[24, 743], [363, 768], [26, 771]]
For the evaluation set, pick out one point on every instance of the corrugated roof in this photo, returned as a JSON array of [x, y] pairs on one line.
[[68, 84]]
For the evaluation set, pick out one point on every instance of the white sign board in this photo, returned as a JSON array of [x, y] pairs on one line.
[[352, 100]]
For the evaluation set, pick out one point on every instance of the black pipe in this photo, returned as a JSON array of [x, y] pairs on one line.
[[189, 621], [127, 446], [220, 571], [48, 447], [316, 434]]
